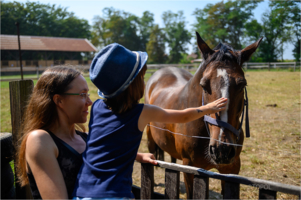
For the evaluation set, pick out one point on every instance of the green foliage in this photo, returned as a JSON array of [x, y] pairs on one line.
[[123, 28], [146, 26], [224, 21], [156, 46], [176, 36], [296, 51], [42, 20], [142, 34], [281, 24], [185, 59]]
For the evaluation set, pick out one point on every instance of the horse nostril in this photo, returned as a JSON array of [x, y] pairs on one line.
[[212, 150], [232, 152]]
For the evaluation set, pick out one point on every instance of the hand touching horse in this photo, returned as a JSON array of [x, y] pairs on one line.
[[219, 75]]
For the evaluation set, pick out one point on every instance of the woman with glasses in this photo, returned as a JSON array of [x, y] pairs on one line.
[[54, 137], [50, 154]]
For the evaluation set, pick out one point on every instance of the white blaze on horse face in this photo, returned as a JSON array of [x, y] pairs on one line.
[[225, 93]]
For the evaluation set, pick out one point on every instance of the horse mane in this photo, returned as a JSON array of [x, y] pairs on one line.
[[224, 54]]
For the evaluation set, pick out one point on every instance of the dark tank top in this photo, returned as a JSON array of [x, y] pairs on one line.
[[70, 162]]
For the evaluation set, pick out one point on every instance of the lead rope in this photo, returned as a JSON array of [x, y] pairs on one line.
[[200, 137]]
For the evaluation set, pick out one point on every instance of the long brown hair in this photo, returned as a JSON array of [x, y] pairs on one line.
[[130, 96], [41, 110]]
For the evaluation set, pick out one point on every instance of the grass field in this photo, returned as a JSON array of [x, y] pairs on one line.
[[272, 152]]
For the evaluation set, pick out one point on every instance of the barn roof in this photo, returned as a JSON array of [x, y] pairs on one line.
[[38, 43]]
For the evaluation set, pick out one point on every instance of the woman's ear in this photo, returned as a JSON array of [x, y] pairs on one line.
[[57, 99]]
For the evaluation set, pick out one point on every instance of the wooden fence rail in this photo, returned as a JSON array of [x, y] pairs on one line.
[[267, 189], [247, 65], [153, 67]]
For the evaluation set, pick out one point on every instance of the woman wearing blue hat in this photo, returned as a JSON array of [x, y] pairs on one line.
[[117, 122]]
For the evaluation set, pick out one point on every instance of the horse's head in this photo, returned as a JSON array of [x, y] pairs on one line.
[[223, 77]]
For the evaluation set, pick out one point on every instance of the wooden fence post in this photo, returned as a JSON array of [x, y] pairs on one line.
[[269, 65], [200, 187], [172, 184], [246, 66], [231, 190], [295, 66], [147, 181], [19, 95], [267, 194]]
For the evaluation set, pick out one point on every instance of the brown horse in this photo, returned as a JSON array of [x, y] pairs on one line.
[[219, 75]]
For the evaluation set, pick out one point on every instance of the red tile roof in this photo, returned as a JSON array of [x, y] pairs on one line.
[[38, 43]]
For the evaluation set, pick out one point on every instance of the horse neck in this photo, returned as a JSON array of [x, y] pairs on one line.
[[194, 89]]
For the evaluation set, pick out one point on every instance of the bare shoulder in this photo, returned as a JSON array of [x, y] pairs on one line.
[[39, 141], [38, 135]]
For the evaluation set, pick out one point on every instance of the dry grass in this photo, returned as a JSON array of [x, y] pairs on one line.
[[272, 152]]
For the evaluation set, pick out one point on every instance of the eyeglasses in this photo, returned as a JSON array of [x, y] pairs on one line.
[[83, 95]]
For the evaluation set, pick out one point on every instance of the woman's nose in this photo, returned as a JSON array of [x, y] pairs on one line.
[[89, 101]]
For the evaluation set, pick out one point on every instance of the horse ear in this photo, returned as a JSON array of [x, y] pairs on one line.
[[247, 52], [203, 47]]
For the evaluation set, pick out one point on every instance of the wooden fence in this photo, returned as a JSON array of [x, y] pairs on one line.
[[247, 65], [267, 189], [153, 67], [271, 65]]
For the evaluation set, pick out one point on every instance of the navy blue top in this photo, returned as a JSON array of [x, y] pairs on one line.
[[112, 146]]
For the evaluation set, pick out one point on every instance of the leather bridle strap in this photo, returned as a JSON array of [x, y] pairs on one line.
[[247, 129], [219, 123]]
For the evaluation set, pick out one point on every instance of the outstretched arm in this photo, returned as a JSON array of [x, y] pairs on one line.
[[153, 113]]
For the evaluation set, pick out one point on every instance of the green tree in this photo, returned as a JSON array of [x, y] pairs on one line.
[[296, 17], [279, 27], [100, 32], [176, 35], [146, 25], [156, 46], [117, 26], [42, 20], [296, 50], [224, 21], [185, 59]]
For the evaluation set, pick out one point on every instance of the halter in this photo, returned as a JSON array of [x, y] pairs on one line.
[[219, 123]]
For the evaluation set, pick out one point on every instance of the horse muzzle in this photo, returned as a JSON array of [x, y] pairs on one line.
[[222, 154]]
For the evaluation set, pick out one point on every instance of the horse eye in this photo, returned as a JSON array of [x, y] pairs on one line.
[[241, 83], [242, 86]]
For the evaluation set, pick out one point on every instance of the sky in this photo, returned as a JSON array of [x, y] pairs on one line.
[[87, 9]]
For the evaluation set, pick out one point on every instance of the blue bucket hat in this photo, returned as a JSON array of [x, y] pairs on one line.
[[114, 68]]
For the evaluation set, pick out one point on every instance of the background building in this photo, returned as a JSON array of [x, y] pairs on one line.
[[40, 51]]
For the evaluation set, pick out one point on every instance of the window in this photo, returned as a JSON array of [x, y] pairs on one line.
[[27, 62], [4, 63], [35, 63]]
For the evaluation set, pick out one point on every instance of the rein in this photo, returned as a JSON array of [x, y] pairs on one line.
[[219, 123]]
